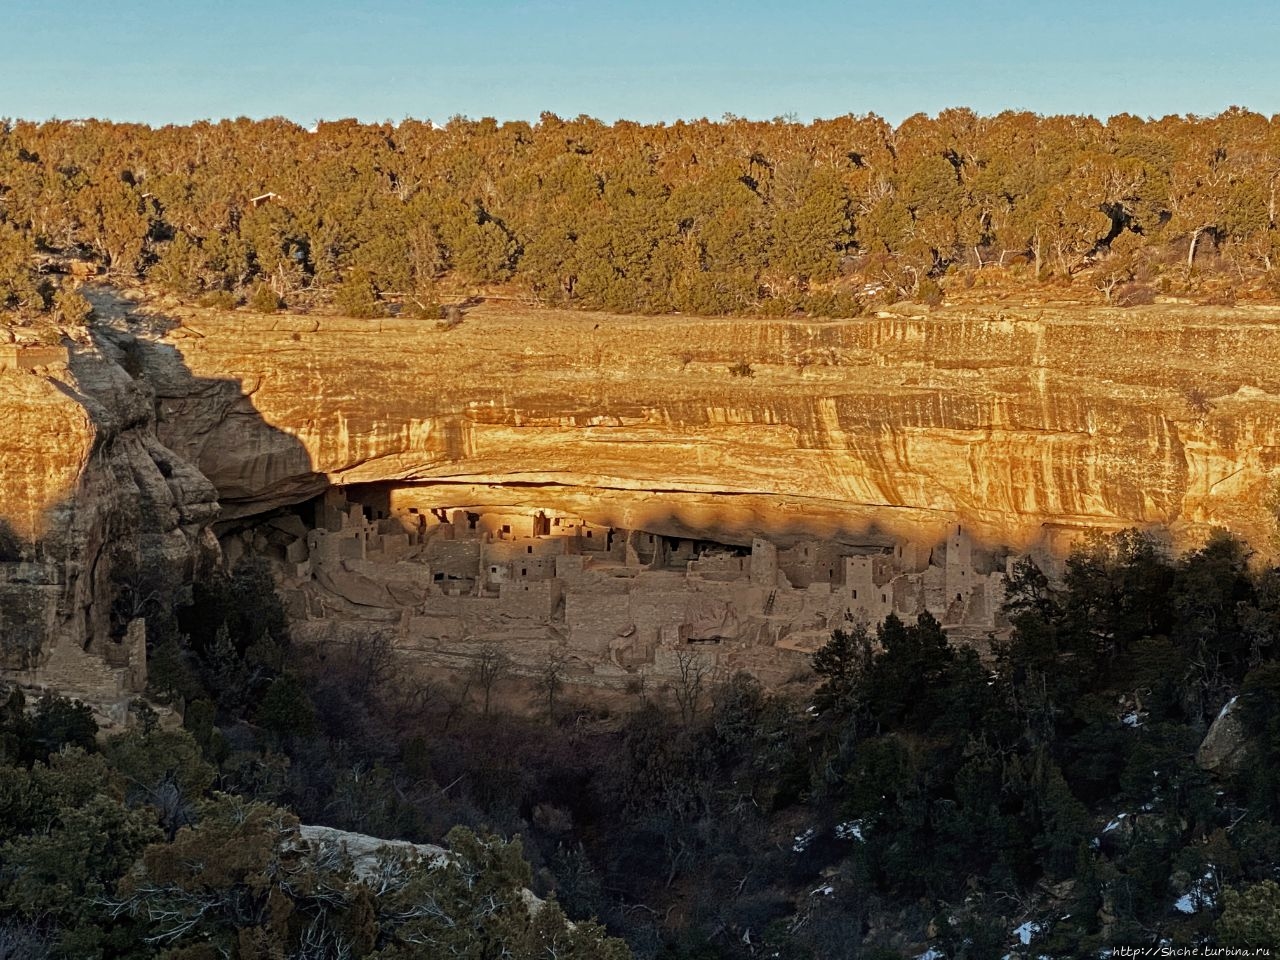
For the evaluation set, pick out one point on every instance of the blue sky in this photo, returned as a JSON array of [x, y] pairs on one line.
[[173, 61]]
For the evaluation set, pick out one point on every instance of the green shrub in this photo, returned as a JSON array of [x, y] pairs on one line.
[[425, 304], [264, 300], [72, 308], [358, 297], [218, 300], [1251, 916], [836, 304]]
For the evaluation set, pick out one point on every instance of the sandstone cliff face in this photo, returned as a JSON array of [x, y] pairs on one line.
[[1026, 424], [90, 502]]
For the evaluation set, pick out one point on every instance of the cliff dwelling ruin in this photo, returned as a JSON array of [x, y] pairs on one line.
[[609, 515], [617, 603]]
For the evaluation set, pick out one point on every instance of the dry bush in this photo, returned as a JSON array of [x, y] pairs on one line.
[[1133, 295], [929, 293], [451, 316], [818, 356], [1197, 400], [218, 300]]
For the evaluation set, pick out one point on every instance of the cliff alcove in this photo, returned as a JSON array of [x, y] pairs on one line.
[[1018, 426]]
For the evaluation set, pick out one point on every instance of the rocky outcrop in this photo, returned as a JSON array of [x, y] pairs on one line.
[[93, 509], [366, 852], [1026, 424], [374, 859], [1223, 747]]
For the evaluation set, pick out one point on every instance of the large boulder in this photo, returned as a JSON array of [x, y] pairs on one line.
[[365, 850], [1222, 749]]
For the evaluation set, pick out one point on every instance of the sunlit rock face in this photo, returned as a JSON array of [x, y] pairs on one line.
[[1025, 424], [46, 442]]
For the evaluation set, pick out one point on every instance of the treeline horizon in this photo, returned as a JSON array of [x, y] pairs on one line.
[[732, 216]]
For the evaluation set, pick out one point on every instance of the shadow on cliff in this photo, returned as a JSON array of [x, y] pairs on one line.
[[210, 423], [170, 455], [11, 545], [733, 520]]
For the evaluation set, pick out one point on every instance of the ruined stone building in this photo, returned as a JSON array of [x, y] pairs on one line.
[[617, 602]]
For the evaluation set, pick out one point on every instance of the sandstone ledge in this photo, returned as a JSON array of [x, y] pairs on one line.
[[1025, 424]]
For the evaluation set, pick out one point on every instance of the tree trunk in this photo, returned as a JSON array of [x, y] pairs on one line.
[[1195, 238]]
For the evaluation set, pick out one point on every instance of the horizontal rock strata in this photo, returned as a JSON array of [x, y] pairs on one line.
[[1016, 421]]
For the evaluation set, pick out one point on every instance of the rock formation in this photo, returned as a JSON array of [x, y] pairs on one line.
[[93, 508], [367, 852], [373, 858], [1024, 424], [1223, 748], [1020, 424]]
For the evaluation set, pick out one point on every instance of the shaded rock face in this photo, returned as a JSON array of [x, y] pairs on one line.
[[92, 508], [1223, 748], [367, 852], [1026, 425]]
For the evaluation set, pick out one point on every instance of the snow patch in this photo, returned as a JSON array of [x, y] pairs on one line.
[[1115, 824], [1027, 932], [1200, 895], [850, 830], [825, 890], [803, 840]]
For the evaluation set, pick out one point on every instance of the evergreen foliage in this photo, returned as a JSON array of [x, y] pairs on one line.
[[919, 797], [264, 299], [703, 217]]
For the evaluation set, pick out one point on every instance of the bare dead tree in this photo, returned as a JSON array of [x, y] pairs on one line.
[[23, 941], [550, 681], [410, 699], [491, 666], [457, 696], [690, 683], [371, 662], [638, 686]]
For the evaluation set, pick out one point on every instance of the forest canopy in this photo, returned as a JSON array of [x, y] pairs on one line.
[[702, 217], [1106, 775]]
